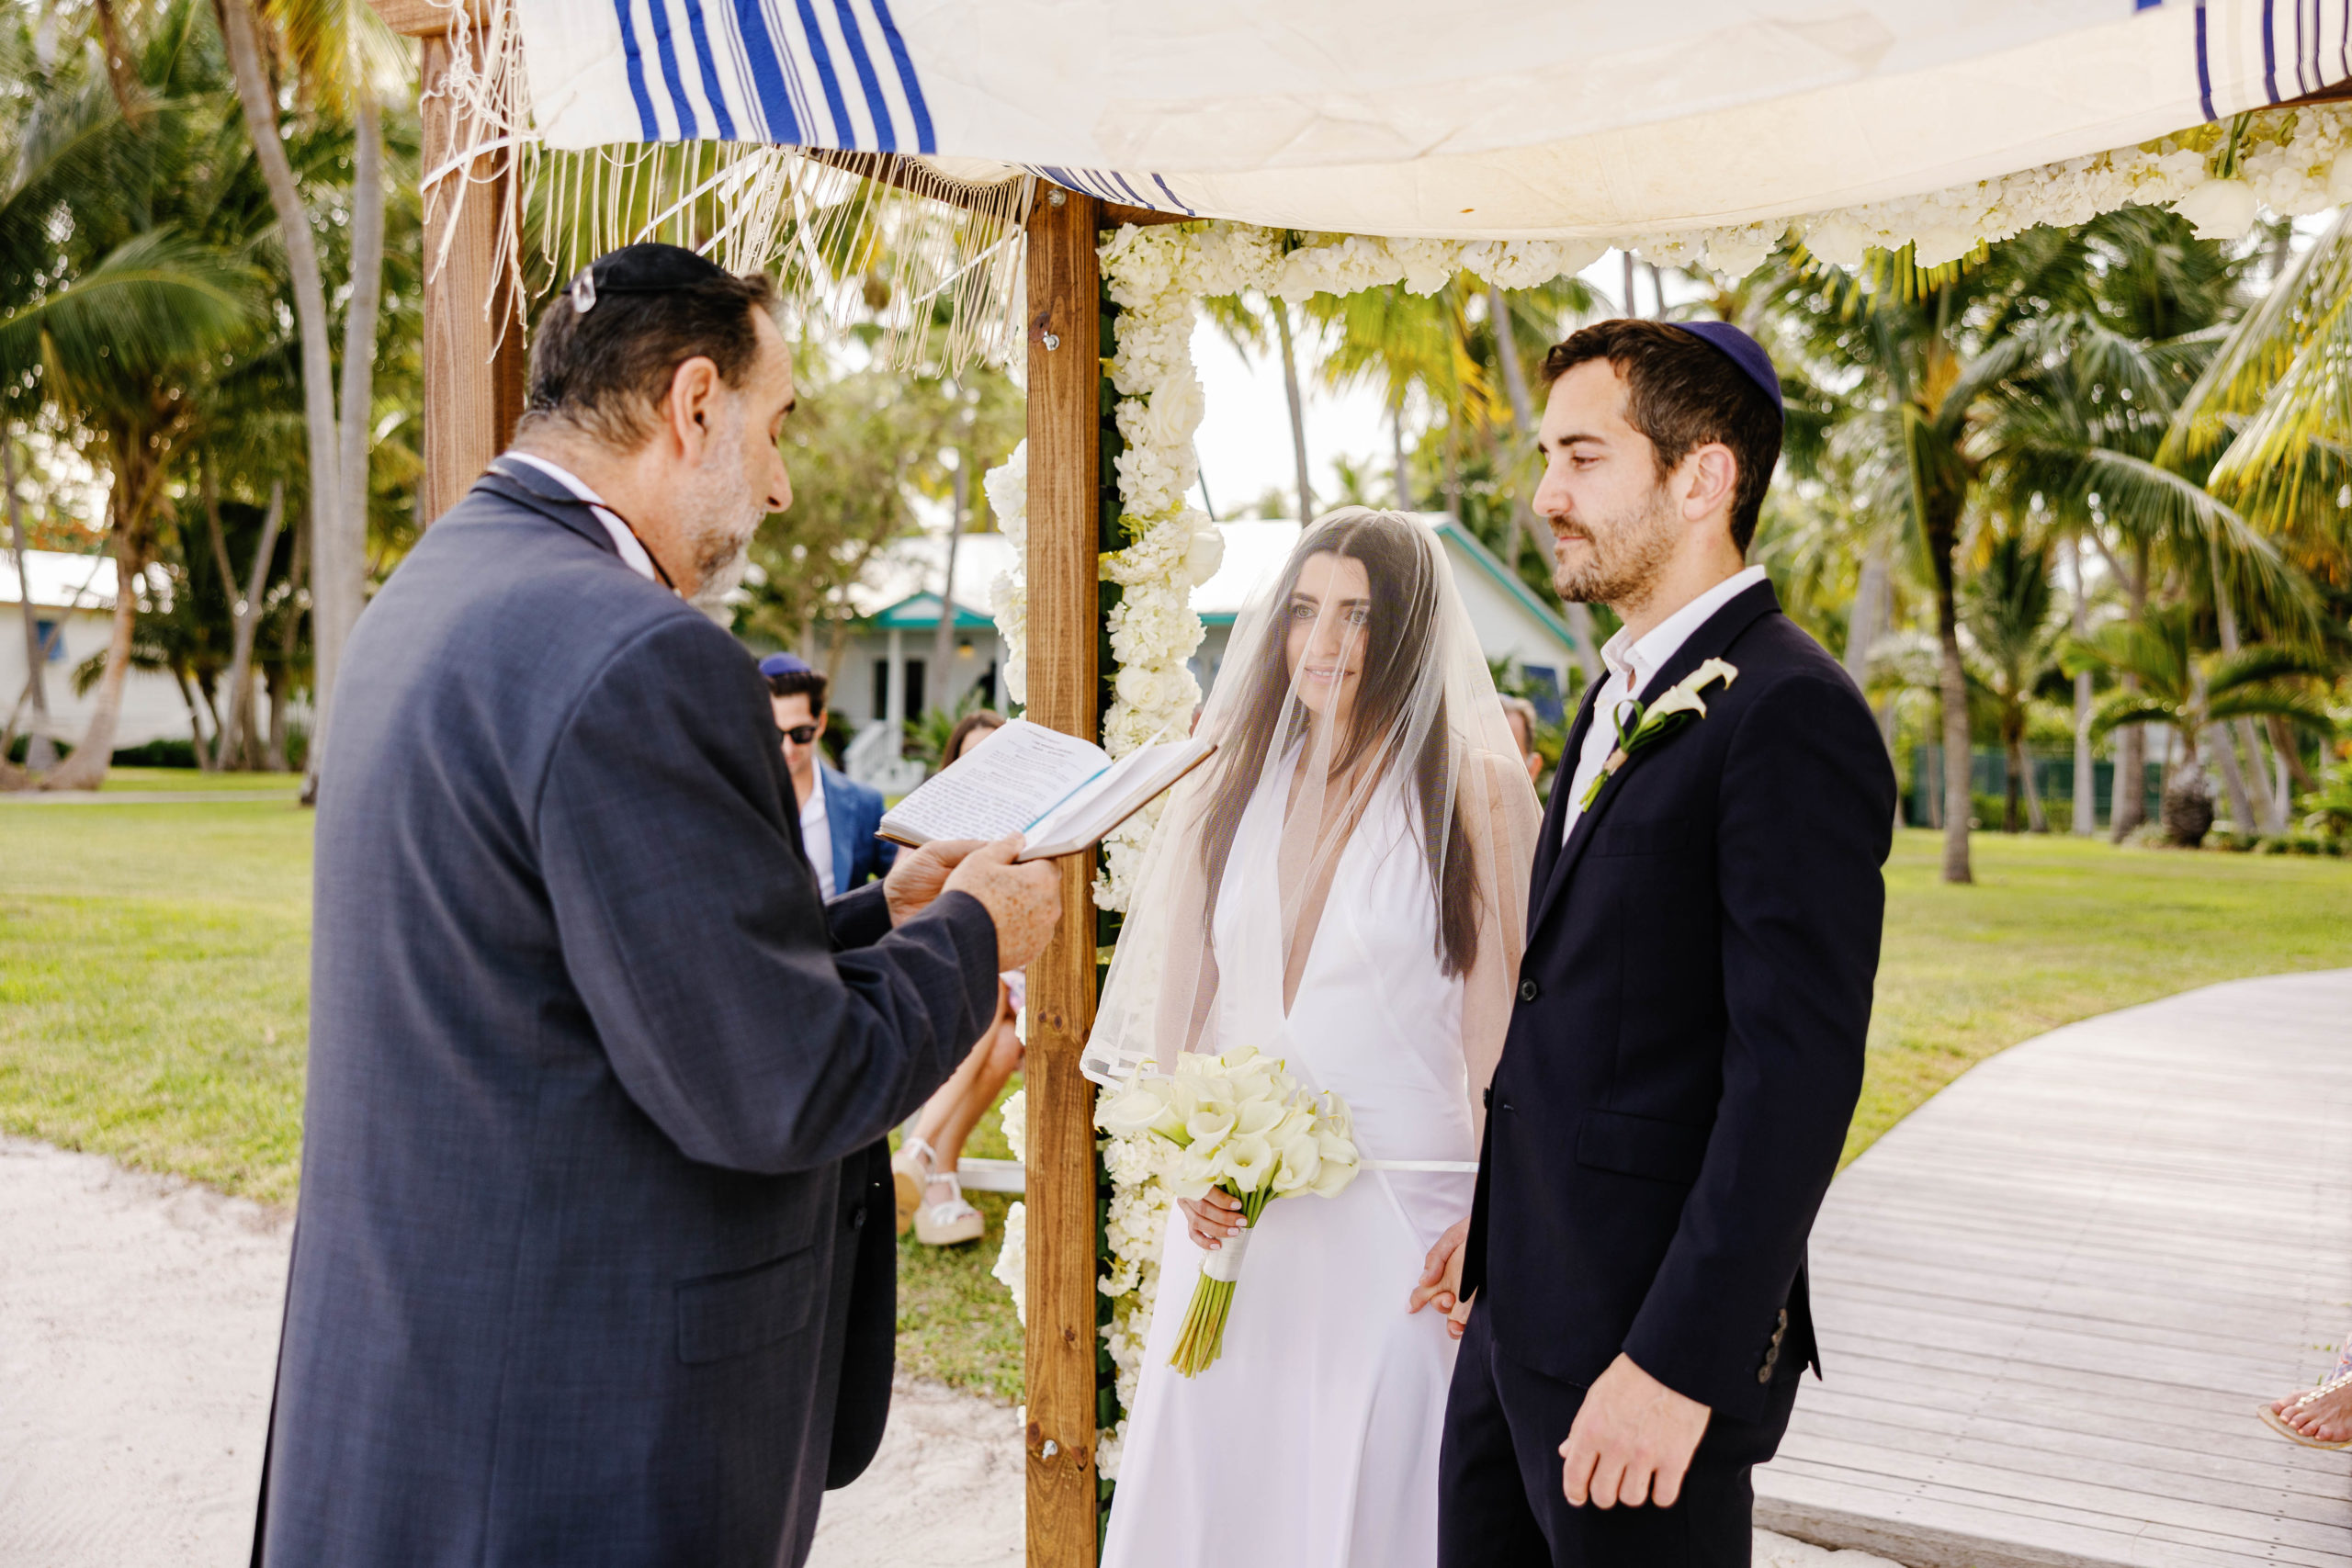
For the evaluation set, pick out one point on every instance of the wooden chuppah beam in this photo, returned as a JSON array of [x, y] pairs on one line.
[[474, 373], [1065, 389]]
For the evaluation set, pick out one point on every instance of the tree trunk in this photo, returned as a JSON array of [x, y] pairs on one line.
[[1297, 408], [356, 430], [2245, 801], [41, 751], [87, 768], [2036, 818], [122, 72], [1397, 445], [1942, 543], [2290, 754], [945, 635], [2129, 808], [247, 610], [2085, 771], [1866, 624], [195, 722], [290, 638], [1631, 309], [339, 559], [2013, 787]]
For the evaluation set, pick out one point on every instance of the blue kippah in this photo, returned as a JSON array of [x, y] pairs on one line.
[[777, 664], [1743, 351]]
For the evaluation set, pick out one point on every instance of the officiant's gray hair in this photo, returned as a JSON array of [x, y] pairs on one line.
[[604, 371]]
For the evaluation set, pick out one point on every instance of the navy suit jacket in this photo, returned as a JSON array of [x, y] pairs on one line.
[[1686, 1047], [853, 812], [596, 1083]]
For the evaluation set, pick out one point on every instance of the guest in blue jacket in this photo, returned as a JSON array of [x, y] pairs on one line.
[[838, 816]]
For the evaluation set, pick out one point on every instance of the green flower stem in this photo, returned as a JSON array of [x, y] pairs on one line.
[[1202, 1340]]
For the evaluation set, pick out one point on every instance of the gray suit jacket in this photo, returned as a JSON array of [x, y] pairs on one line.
[[588, 1059]]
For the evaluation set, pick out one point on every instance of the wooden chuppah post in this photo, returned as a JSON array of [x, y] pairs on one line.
[[475, 362], [1065, 379]]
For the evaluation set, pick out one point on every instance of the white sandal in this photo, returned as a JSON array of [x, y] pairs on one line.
[[2277, 1423], [951, 1222]]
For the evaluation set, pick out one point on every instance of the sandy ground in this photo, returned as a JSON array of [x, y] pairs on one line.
[[137, 1323]]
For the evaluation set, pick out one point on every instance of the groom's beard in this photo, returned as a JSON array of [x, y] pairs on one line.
[[1626, 555]]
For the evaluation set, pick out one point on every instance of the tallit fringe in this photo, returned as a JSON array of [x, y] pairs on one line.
[[855, 240]]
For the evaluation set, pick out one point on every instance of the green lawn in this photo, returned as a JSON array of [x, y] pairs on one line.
[[152, 984], [123, 779]]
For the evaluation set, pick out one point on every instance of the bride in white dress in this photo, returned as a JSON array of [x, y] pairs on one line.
[[1343, 887]]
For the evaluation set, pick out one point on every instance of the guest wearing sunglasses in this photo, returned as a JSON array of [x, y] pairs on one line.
[[838, 818]]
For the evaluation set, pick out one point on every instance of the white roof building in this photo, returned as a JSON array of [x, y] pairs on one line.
[[73, 600]]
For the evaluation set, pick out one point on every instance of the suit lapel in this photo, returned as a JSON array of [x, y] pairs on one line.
[[1714, 635], [843, 832], [1547, 843]]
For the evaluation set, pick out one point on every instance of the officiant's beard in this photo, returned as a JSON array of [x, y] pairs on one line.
[[1628, 553], [725, 511]]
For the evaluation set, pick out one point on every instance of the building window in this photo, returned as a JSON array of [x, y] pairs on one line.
[[881, 688], [914, 688], [53, 641]]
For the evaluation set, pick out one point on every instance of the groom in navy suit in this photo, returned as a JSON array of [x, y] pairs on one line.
[[1687, 1046]]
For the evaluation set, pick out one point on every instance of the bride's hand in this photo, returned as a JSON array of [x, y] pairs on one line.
[[1212, 1218], [1441, 1281]]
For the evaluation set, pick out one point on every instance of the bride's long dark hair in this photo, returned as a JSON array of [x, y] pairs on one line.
[[1397, 636]]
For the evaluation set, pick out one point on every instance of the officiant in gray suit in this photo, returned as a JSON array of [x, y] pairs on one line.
[[597, 1080]]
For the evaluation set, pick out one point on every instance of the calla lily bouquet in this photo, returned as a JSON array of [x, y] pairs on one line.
[[1241, 1123], [1678, 706]]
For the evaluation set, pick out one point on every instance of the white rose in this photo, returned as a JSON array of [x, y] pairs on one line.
[[2219, 209], [1134, 1110]]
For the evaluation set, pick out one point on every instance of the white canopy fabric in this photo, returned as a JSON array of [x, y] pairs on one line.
[[1479, 119]]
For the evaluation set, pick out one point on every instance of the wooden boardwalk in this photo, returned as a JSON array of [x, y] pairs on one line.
[[2051, 1298]]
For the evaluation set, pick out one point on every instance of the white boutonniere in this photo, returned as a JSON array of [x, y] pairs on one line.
[[1679, 705]]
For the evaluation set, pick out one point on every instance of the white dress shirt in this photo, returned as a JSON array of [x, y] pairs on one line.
[[1632, 666], [632, 553], [816, 835]]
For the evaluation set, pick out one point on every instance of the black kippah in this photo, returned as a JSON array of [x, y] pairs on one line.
[[639, 269]]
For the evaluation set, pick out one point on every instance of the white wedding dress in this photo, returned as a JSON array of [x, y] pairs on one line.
[[1313, 1442]]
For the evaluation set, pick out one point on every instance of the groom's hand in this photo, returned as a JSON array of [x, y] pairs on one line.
[[917, 876], [1631, 1440], [1441, 1281]]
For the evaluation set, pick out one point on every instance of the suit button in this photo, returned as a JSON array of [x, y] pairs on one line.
[[1529, 990]]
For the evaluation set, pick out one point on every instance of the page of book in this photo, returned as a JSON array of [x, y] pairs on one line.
[[1110, 799], [1002, 785]]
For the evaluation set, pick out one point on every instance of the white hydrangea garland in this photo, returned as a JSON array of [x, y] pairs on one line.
[[2292, 161]]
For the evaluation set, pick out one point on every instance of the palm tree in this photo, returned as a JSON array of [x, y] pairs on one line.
[[2006, 610], [1243, 321], [121, 338], [2041, 371], [2190, 692], [340, 51]]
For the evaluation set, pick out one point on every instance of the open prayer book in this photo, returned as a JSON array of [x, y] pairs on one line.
[[1060, 791]]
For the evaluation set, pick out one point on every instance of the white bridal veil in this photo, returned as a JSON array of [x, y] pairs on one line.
[[1353, 691]]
